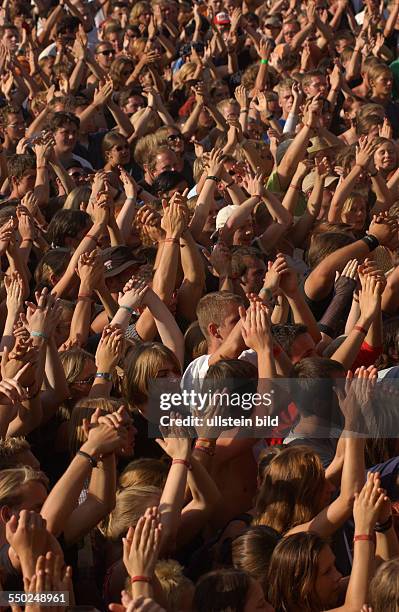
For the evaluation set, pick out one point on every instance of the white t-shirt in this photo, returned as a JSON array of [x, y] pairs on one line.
[[197, 369]]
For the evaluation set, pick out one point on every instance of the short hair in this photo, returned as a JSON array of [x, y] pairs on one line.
[[7, 26], [17, 165], [167, 180], [58, 120], [123, 96], [286, 335], [323, 245], [66, 223], [238, 262], [55, 261], [212, 308], [152, 161], [9, 109], [314, 388], [311, 75], [9, 449]]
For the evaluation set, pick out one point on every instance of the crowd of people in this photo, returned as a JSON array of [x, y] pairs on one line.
[[199, 195]]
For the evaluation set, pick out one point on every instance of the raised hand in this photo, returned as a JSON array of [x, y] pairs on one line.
[[141, 545], [256, 328], [133, 293], [364, 152], [14, 288], [174, 220], [129, 184], [110, 349], [384, 228], [368, 504], [90, 271], [220, 259]]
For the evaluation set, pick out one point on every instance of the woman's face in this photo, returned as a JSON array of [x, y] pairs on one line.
[[356, 216], [256, 599], [169, 372], [119, 154], [385, 157], [81, 387], [145, 17], [327, 586]]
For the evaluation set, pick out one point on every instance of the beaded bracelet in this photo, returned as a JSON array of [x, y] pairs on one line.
[[105, 375], [134, 579], [128, 308], [38, 334]]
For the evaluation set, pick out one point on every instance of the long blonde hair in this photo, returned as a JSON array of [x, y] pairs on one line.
[[130, 505], [11, 481]]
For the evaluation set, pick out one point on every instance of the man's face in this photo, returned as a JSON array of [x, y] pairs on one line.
[[303, 346], [230, 321], [66, 137], [66, 39], [289, 32], [116, 41], [318, 84], [15, 126], [105, 55], [253, 277], [26, 182], [165, 161], [285, 100], [133, 104], [231, 112], [10, 39]]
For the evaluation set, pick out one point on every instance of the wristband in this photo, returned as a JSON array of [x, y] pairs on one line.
[[268, 292], [38, 334], [134, 579], [41, 167], [373, 175], [92, 238], [360, 329], [264, 62], [172, 240], [366, 537], [383, 527], [105, 375], [130, 199], [90, 459], [371, 241], [27, 240], [85, 296], [296, 187], [182, 462], [128, 308], [213, 178], [244, 110]]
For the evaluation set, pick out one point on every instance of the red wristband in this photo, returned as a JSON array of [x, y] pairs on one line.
[[92, 238], [295, 187], [182, 462], [361, 329], [85, 298], [140, 579], [366, 537]]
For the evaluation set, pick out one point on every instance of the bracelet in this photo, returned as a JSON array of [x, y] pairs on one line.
[[90, 459], [264, 62], [128, 308], [172, 240], [361, 329], [359, 166], [38, 334], [150, 107], [371, 241], [27, 240], [373, 175], [130, 199], [85, 296], [94, 238], [134, 579], [295, 187], [244, 110], [383, 527], [182, 462], [41, 167], [105, 375], [227, 185], [213, 178], [364, 538], [207, 442], [204, 449]]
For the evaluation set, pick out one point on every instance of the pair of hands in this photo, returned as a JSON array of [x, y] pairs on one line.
[[106, 434]]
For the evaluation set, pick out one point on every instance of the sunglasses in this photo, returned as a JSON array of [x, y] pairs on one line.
[[77, 175], [173, 137], [107, 52], [120, 148]]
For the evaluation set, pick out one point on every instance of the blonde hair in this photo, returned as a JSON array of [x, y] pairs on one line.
[[186, 72], [138, 9], [145, 147], [11, 481], [211, 309], [384, 588], [144, 472], [351, 200], [73, 361], [130, 505], [143, 364], [10, 448], [290, 490], [78, 196], [173, 582]]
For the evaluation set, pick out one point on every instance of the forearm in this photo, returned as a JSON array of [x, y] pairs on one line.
[[80, 324], [38, 122], [66, 181], [42, 184], [295, 153], [361, 574], [278, 210], [76, 78], [349, 349], [171, 503], [110, 305], [167, 327], [192, 122], [202, 208], [54, 370], [383, 194], [303, 315], [192, 287], [115, 235], [29, 417], [123, 122]]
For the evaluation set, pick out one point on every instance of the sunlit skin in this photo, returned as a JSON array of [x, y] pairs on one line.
[[356, 216], [385, 158]]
